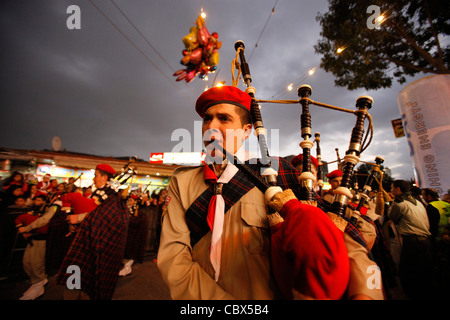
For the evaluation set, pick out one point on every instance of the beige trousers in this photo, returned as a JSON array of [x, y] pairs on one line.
[[34, 260]]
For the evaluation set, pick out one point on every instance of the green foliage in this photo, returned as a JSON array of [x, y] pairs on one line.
[[410, 40]]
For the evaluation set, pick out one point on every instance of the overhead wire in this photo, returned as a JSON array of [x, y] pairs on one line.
[[138, 49], [263, 29], [142, 35], [146, 40]]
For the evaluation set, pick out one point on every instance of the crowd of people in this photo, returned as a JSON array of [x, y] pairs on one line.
[[413, 221], [39, 220], [219, 232]]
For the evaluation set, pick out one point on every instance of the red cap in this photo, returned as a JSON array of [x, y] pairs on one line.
[[105, 167], [299, 158], [225, 94], [334, 174]]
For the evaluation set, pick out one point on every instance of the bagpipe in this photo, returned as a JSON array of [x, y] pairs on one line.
[[87, 204], [376, 174], [127, 171], [308, 254], [364, 194], [319, 162]]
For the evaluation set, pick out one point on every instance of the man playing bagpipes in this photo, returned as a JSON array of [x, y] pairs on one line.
[[99, 243], [34, 228], [215, 239]]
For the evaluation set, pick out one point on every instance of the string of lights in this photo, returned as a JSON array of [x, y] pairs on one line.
[[297, 82]]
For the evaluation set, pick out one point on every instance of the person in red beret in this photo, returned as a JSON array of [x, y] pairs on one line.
[[334, 178], [215, 237], [99, 243], [297, 163], [63, 226], [226, 118]]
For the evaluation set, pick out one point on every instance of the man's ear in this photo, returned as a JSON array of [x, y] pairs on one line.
[[247, 130]]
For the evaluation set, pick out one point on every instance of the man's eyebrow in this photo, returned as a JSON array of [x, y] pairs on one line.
[[219, 114]]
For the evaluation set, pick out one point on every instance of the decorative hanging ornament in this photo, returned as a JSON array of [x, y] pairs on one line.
[[201, 53]]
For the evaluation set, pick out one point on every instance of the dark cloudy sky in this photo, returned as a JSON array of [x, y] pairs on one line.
[[104, 90]]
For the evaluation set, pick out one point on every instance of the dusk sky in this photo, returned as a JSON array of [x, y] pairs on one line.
[[108, 88]]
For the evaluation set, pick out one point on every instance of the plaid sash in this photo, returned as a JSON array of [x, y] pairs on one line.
[[196, 215], [232, 191]]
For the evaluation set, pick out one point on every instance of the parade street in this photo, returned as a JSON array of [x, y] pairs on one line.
[[144, 283]]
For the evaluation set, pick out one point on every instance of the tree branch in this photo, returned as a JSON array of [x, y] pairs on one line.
[[440, 68], [433, 31], [412, 66]]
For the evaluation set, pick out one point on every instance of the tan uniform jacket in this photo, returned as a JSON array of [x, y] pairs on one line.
[[245, 262], [365, 277]]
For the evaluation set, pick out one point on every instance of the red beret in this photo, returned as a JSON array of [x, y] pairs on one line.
[[225, 94], [334, 174], [105, 167], [298, 159]]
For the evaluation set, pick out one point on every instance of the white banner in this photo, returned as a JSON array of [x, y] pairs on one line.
[[425, 111]]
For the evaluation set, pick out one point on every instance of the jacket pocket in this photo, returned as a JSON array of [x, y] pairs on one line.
[[255, 234]]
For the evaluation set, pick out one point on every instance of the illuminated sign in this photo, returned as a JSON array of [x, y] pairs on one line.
[[191, 158], [62, 172]]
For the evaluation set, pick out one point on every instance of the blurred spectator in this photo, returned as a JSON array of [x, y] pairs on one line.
[[45, 183], [416, 265], [16, 178], [137, 235], [31, 193]]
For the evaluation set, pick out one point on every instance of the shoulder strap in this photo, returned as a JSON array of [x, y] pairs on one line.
[[232, 192]]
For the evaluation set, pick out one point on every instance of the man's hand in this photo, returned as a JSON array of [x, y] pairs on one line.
[[73, 219]]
